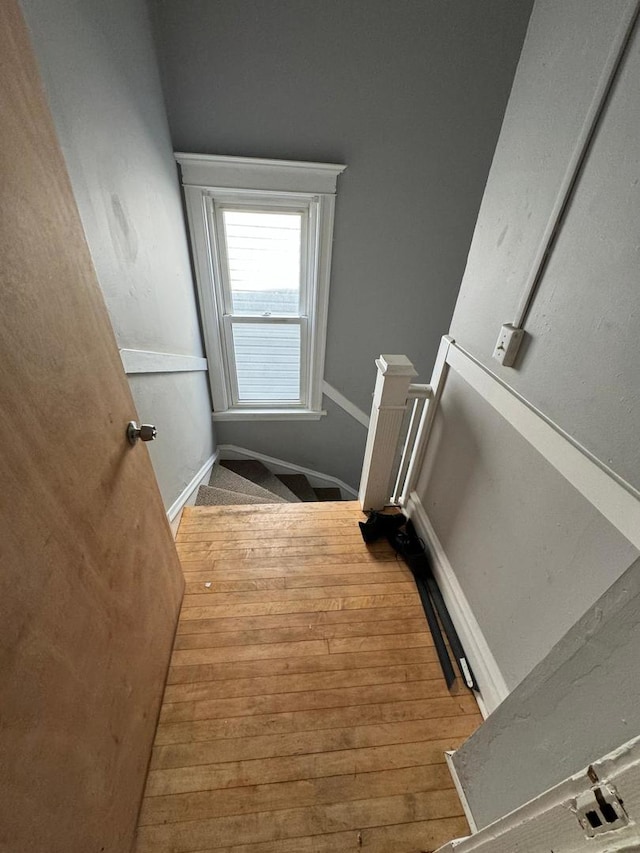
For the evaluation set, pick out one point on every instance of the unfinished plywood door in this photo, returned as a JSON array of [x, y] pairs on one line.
[[90, 584]]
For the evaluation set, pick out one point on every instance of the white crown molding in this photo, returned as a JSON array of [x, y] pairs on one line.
[[206, 170]]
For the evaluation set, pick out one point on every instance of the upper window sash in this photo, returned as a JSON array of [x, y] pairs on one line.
[[306, 207]]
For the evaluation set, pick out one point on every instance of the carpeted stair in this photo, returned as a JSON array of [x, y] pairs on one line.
[[328, 494], [224, 477], [300, 486], [247, 481], [210, 496], [258, 473]]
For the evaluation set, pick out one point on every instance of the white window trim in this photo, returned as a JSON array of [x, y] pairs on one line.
[[204, 176]]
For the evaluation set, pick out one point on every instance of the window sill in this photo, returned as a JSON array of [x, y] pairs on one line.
[[268, 415]]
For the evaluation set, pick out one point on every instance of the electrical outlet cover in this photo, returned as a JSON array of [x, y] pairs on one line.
[[508, 344]]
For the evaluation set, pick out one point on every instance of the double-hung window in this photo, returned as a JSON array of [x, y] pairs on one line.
[[261, 233]]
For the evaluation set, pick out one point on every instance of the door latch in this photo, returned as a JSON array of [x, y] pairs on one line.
[[600, 809]]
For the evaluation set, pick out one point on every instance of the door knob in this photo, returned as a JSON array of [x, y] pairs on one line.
[[146, 432]]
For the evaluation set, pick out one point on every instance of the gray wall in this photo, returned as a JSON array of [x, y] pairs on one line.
[[333, 445], [409, 94], [530, 552], [579, 704], [531, 555], [99, 69], [583, 327]]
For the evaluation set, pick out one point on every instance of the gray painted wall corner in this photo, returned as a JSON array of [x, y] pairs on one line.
[[99, 70]]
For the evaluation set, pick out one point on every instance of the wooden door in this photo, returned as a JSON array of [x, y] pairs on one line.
[[90, 583]]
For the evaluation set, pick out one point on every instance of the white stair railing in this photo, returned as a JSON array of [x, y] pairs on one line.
[[417, 398], [392, 396]]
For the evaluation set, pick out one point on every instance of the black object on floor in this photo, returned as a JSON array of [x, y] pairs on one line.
[[438, 640], [381, 524], [411, 548], [422, 564], [452, 635]]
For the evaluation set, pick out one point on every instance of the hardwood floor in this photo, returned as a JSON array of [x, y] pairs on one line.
[[305, 711]]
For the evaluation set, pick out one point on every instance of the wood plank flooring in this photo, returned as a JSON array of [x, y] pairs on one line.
[[305, 711]]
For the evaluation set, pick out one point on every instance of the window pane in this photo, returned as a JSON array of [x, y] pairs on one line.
[[267, 361], [263, 251]]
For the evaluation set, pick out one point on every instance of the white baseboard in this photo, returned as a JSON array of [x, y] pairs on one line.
[[281, 466], [493, 688], [188, 495]]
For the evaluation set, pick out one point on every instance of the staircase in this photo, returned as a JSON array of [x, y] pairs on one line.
[[247, 481]]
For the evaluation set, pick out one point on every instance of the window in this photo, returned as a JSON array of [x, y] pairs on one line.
[[261, 233]]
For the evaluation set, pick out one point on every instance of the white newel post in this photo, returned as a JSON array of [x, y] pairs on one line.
[[395, 373]]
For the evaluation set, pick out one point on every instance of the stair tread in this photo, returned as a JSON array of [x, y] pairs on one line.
[[213, 496], [258, 473], [330, 493], [224, 478], [299, 485]]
